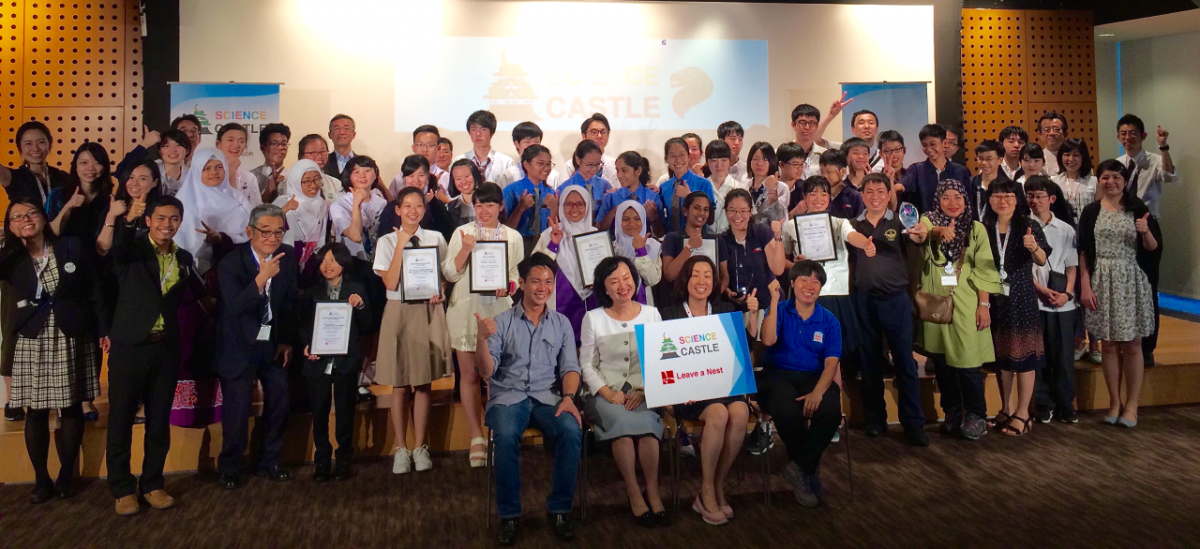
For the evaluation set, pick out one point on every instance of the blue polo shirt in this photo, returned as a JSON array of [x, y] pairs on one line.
[[670, 202], [598, 186], [803, 345], [642, 194], [512, 197]]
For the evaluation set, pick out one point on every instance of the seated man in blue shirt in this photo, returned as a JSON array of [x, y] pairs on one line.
[[524, 353], [805, 345]]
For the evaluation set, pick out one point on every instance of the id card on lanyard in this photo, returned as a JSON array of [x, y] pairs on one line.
[[264, 331]]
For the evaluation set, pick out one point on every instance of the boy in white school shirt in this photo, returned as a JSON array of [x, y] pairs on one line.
[[1054, 283], [481, 126], [524, 135], [733, 135], [864, 125], [425, 143], [806, 121], [1013, 139]]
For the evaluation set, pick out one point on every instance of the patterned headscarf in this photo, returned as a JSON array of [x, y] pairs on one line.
[[962, 227]]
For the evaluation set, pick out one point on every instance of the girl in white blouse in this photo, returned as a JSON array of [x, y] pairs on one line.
[[612, 374], [634, 244]]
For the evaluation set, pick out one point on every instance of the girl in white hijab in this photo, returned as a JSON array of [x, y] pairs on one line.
[[571, 298], [632, 242], [212, 210], [305, 210]]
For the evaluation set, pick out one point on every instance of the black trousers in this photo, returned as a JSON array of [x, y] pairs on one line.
[[962, 390], [806, 438], [891, 315], [235, 415], [140, 374], [342, 390], [1055, 387]]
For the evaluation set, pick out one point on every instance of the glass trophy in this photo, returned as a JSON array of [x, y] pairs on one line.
[[908, 215]]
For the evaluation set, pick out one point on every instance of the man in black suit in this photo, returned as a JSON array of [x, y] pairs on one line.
[[143, 345], [257, 326], [341, 132]]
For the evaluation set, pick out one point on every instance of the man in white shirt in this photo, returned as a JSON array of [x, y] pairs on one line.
[[481, 126], [1054, 283], [864, 125], [524, 135], [1052, 131], [1147, 170], [341, 133], [733, 135], [425, 143], [805, 122], [445, 153], [231, 140], [313, 147], [1013, 139], [597, 130], [273, 142]]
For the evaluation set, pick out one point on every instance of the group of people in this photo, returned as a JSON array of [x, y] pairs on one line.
[[200, 278]]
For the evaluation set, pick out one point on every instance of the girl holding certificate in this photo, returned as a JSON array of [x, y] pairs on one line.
[[636, 245], [414, 341], [488, 202], [571, 297], [307, 215]]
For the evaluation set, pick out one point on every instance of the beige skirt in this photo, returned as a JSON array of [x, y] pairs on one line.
[[414, 345]]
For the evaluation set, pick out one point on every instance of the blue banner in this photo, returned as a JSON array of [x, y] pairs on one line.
[[251, 105], [901, 106]]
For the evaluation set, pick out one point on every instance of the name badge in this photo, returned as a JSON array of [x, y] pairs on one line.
[[1004, 289], [69, 267], [949, 280], [23, 303], [264, 333], [818, 337]]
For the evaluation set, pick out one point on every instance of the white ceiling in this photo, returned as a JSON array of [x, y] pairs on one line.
[[1160, 25]]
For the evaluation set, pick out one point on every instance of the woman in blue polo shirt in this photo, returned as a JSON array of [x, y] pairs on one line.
[[805, 344], [679, 181], [588, 161]]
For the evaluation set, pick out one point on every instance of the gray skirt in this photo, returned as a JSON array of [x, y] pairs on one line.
[[610, 421]]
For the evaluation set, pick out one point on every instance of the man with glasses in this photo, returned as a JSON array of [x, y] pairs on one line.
[[597, 130], [425, 143], [806, 121], [313, 147], [891, 152], [1052, 131], [341, 132], [922, 178], [273, 141], [256, 327]]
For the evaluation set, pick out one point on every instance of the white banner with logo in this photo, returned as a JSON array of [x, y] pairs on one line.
[[695, 359], [251, 105]]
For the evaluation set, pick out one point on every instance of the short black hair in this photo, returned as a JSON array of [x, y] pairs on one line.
[[834, 157], [488, 193], [536, 259], [768, 153], [876, 178], [176, 136], [1020, 214], [606, 268], [475, 175], [1032, 150], [482, 118], [532, 152], [341, 254], [855, 142], [185, 118], [446, 142], [304, 141], [1060, 207], [892, 136], [366, 162], [164, 201], [526, 130], [1010, 131], [426, 128], [816, 182], [694, 196], [787, 151], [1039, 183], [989, 145], [232, 126], [414, 162], [854, 117], [265, 133], [680, 293], [806, 267], [595, 117], [1053, 115], [932, 130], [1131, 120], [737, 194], [402, 193], [729, 127], [717, 149], [1078, 145], [1113, 165], [689, 135], [337, 117], [804, 109]]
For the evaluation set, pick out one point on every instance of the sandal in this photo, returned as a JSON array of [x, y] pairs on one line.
[[1009, 430], [713, 518], [478, 459], [997, 422]]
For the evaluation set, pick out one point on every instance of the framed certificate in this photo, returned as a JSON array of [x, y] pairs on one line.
[[708, 248], [814, 235], [420, 278], [331, 328], [590, 249], [489, 267]]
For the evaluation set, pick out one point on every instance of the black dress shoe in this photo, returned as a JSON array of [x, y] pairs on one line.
[[508, 532], [875, 430], [342, 472], [275, 473], [916, 437], [561, 522], [322, 472], [662, 519], [41, 494], [229, 481], [645, 520], [64, 489]]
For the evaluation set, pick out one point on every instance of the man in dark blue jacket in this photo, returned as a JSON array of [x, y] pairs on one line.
[[920, 180]]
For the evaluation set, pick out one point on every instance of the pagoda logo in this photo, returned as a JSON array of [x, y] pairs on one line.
[[511, 96], [668, 348], [199, 114]]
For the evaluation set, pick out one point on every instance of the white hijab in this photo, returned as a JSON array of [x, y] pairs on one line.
[[308, 221], [568, 265], [624, 243], [222, 208]]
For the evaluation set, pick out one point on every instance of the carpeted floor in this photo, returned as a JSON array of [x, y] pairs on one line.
[[1087, 485]]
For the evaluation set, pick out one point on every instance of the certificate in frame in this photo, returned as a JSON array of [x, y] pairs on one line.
[[489, 267], [590, 249], [418, 288], [331, 328], [814, 236]]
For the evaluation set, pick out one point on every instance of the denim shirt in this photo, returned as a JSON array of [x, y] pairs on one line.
[[529, 360]]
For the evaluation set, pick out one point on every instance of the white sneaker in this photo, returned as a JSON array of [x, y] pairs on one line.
[[420, 457], [1080, 352], [402, 462]]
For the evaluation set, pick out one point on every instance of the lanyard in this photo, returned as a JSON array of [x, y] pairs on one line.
[[266, 290], [479, 230], [688, 309], [1002, 245], [39, 266], [162, 280]]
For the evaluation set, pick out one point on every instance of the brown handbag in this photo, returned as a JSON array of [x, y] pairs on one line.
[[938, 309]]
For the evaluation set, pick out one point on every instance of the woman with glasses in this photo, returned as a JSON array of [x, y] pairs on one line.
[[572, 297], [587, 162], [313, 147], [306, 217], [751, 256]]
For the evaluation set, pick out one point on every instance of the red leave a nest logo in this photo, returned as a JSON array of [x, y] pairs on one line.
[[668, 377]]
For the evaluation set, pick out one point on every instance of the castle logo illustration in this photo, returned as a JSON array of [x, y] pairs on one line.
[[668, 348], [511, 97]]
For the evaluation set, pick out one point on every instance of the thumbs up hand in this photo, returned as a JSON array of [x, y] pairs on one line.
[[76, 199], [1030, 241], [948, 232], [870, 248], [1142, 225]]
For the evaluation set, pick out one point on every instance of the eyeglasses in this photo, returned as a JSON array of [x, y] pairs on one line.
[[574, 205], [892, 151], [269, 234], [316, 154], [20, 218], [593, 165], [795, 165], [1005, 197], [738, 212], [806, 123], [1125, 134], [597, 133], [1037, 196], [1052, 130], [541, 164], [273, 144], [425, 146]]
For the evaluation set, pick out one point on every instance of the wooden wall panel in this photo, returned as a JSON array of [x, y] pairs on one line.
[[133, 76], [74, 54], [1018, 65], [12, 54], [72, 126]]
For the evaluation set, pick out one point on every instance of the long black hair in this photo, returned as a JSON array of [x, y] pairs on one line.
[[11, 240], [104, 180], [680, 293], [1020, 217], [153, 194], [475, 175]]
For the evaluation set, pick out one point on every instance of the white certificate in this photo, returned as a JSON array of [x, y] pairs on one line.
[[419, 278], [489, 267], [331, 328], [814, 234], [590, 249], [708, 248]]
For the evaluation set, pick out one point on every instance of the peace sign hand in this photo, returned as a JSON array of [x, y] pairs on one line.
[[839, 104], [556, 232], [210, 236]]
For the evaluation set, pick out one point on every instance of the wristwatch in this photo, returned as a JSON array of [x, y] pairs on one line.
[[1070, 296], [986, 304], [571, 396], [1165, 148]]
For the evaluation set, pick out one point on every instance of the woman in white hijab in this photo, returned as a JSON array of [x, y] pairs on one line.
[[215, 215], [306, 214], [633, 243], [571, 298]]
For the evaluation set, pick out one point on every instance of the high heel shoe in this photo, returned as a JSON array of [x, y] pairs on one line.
[[1111, 420], [1128, 424], [715, 519]]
